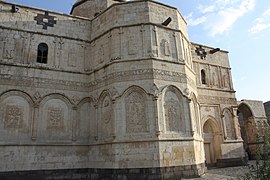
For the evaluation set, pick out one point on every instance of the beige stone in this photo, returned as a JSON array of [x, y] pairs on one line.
[[116, 89]]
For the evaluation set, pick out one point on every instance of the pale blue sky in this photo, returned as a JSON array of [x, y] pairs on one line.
[[241, 27]]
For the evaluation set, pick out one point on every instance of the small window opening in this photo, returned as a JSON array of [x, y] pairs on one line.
[[42, 54], [203, 79]]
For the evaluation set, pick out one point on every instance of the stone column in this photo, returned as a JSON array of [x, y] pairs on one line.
[[34, 122], [74, 123], [156, 113]]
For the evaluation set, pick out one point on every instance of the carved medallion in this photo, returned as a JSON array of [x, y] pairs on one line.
[[55, 119], [14, 117]]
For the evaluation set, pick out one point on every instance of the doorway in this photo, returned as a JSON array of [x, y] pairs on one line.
[[210, 143]]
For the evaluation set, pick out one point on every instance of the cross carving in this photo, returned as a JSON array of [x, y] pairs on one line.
[[45, 20], [201, 52]]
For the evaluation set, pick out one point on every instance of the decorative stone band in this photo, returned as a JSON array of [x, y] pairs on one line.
[[218, 100], [122, 76]]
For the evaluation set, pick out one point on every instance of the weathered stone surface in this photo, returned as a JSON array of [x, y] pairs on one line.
[[118, 94]]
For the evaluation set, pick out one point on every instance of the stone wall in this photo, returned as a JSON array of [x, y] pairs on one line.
[[121, 92], [267, 110]]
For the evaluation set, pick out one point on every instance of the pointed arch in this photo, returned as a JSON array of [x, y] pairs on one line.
[[174, 105], [135, 100], [212, 141], [248, 128], [106, 122], [86, 120]]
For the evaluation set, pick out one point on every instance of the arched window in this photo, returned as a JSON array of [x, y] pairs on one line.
[[203, 78], [42, 54]]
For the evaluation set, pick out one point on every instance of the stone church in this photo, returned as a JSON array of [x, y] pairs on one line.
[[116, 90]]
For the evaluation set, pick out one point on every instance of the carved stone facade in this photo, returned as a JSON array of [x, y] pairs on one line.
[[111, 88]]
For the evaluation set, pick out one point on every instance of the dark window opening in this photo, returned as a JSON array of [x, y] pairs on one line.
[[203, 79], [42, 54]]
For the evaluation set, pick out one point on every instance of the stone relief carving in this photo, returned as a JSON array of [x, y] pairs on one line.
[[101, 54], [14, 117], [37, 96], [195, 116], [135, 113], [165, 47], [218, 100], [106, 117], [58, 51], [214, 79], [9, 48], [172, 115], [153, 48], [229, 123], [55, 119], [226, 81], [139, 74]]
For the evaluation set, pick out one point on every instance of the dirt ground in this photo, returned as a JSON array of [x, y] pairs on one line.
[[229, 173]]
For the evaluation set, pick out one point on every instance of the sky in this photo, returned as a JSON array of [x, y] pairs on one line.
[[241, 27]]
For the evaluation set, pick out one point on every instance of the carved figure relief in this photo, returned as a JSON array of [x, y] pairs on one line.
[[165, 46], [194, 116], [9, 48], [101, 54], [226, 81], [172, 110], [214, 79], [229, 123], [14, 117], [107, 115], [55, 119], [135, 113], [172, 115]]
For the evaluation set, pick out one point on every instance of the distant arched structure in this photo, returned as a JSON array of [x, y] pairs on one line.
[[253, 124]]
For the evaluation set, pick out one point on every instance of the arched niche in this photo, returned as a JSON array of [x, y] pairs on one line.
[[212, 142], [55, 119], [106, 116], [16, 116], [136, 110], [229, 124], [248, 129], [176, 111], [86, 120]]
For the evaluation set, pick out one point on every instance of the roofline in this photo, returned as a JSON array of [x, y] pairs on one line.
[[208, 47], [44, 10], [126, 2]]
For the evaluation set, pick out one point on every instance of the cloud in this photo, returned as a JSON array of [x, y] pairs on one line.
[[261, 23], [221, 15]]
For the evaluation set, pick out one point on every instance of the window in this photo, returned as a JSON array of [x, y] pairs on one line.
[[42, 54], [203, 79]]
